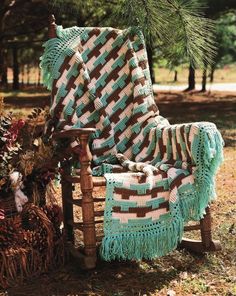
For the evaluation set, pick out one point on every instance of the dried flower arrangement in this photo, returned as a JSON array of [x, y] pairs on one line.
[[30, 235], [25, 161]]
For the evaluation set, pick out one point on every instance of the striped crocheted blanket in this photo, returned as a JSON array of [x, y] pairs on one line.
[[99, 77]]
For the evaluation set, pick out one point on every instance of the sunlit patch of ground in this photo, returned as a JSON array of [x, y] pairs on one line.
[[165, 76]]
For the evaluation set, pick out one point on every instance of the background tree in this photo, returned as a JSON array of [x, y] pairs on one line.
[[20, 23], [224, 14], [226, 39], [176, 29]]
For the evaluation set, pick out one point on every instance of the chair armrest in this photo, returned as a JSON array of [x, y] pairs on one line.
[[78, 145]]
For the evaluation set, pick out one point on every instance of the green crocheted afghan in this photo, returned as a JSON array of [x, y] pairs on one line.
[[99, 77]]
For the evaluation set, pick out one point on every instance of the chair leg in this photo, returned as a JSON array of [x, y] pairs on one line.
[[67, 204], [206, 244], [86, 183]]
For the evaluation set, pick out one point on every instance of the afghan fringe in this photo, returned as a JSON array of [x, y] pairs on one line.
[[56, 49], [144, 245], [208, 145]]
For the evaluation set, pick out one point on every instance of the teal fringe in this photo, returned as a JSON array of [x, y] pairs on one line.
[[56, 49], [207, 152], [143, 245]]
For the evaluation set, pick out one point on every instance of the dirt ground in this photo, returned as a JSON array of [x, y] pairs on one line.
[[179, 272]]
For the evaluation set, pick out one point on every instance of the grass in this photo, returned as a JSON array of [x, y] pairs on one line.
[[186, 274], [23, 94]]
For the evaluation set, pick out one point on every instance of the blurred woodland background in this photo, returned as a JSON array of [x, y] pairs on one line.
[[23, 30]]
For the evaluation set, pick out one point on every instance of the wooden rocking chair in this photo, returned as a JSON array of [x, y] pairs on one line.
[[91, 217]]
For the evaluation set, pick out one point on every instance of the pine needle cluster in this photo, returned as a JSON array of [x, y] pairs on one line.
[[176, 28]]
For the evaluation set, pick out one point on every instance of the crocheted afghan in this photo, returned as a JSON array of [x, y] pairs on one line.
[[99, 77]]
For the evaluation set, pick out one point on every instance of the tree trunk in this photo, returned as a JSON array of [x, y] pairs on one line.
[[191, 79], [15, 85], [150, 62], [3, 67], [212, 74], [28, 74], [1, 50], [204, 79], [1, 64], [4, 79], [4, 13], [23, 75], [176, 76], [39, 77]]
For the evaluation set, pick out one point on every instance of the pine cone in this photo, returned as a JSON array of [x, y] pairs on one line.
[[10, 233], [54, 214], [30, 217], [38, 228], [36, 239]]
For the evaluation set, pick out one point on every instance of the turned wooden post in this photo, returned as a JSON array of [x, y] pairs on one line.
[[67, 198], [52, 32], [86, 183], [206, 229]]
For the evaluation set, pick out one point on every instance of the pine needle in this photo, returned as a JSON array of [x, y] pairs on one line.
[[176, 28]]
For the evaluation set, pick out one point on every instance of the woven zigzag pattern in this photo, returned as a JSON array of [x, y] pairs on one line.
[[105, 84], [99, 77]]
